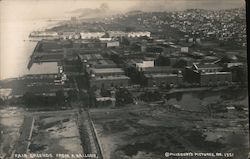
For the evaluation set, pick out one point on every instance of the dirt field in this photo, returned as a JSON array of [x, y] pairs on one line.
[[143, 131], [51, 132], [11, 119], [55, 134]]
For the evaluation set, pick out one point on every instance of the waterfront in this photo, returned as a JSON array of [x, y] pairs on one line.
[[17, 49]]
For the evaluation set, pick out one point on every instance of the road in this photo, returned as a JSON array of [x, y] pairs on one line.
[[23, 143], [58, 112]]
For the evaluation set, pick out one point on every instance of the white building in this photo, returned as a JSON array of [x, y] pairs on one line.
[[138, 34], [184, 49], [129, 34], [145, 64], [105, 39], [113, 44], [115, 34], [91, 35], [68, 35]]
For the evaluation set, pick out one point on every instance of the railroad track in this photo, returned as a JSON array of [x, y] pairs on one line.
[[88, 135]]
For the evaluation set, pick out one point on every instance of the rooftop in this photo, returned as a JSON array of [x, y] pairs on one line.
[[44, 68], [134, 61], [120, 77], [204, 66], [102, 62], [90, 56], [107, 70], [159, 68], [216, 73], [159, 75]]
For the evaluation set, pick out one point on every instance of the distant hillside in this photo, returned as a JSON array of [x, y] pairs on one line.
[[83, 13], [134, 12]]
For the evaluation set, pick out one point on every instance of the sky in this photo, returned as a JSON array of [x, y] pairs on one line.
[[170, 5], [56, 8]]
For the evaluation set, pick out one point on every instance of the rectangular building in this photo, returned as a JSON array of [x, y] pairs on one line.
[[207, 67], [112, 44], [107, 78], [160, 69], [207, 75], [109, 81], [215, 78], [91, 35], [163, 79], [102, 63], [106, 71]]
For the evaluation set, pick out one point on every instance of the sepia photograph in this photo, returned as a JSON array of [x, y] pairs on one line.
[[124, 79]]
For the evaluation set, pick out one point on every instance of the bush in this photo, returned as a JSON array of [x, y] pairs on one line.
[[2, 101], [123, 96], [151, 96]]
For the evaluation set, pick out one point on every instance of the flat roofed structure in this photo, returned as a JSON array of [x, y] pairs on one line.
[[215, 78], [117, 33], [139, 34], [133, 62], [83, 51], [163, 79], [145, 64], [107, 71], [160, 69], [44, 68], [89, 57], [216, 73], [111, 78], [91, 35], [160, 75], [208, 75], [109, 81], [102, 63]]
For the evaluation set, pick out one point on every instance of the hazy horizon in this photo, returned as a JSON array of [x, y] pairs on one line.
[[59, 8]]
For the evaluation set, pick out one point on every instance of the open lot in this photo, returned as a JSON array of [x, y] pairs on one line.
[[44, 132], [11, 119], [144, 130], [55, 134]]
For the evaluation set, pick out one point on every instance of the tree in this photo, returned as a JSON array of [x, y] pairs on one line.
[[129, 28], [162, 61], [151, 96], [239, 74], [105, 92], [33, 100], [123, 96], [180, 64], [60, 97], [1, 101], [124, 41]]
